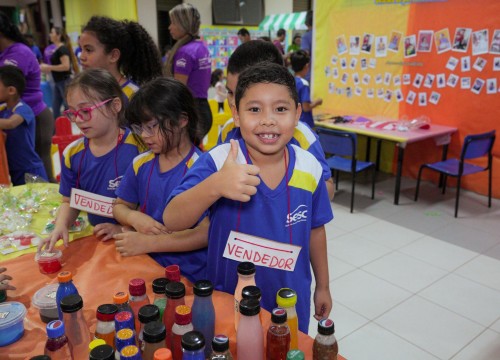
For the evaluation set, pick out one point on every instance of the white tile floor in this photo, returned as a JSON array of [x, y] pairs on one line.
[[410, 281]]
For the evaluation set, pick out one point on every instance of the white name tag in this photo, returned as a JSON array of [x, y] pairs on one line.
[[260, 251], [92, 203]]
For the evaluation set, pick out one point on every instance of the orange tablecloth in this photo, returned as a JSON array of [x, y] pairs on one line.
[[98, 272]]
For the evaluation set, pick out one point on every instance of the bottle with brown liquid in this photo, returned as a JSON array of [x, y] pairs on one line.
[[325, 345]]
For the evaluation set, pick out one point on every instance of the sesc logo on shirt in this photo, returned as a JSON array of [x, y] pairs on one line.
[[114, 183], [296, 216], [181, 63]]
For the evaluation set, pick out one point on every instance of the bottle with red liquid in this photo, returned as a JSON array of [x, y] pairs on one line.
[[249, 337], [57, 345], [138, 298], [278, 336], [175, 292], [182, 325]]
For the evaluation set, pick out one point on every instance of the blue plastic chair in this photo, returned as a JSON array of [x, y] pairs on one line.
[[475, 146], [342, 146]]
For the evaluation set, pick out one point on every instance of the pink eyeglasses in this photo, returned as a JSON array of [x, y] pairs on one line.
[[85, 114]]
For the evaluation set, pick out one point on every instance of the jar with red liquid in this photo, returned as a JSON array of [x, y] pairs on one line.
[[138, 298], [278, 336], [57, 345], [49, 262]]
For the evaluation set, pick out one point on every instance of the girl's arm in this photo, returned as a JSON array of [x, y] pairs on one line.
[[11, 123], [63, 66], [182, 78], [319, 263], [126, 214]]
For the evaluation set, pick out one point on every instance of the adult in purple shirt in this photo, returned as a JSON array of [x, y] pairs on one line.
[[14, 50], [306, 43], [189, 60]]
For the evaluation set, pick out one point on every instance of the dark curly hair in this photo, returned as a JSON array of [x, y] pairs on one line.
[[168, 101], [10, 30], [140, 59]]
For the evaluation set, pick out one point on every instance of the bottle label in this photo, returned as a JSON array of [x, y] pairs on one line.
[[260, 251], [236, 306]]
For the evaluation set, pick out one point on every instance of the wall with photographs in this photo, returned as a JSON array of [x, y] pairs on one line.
[[410, 58]]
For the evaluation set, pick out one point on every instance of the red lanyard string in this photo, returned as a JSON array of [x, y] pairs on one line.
[[287, 195]]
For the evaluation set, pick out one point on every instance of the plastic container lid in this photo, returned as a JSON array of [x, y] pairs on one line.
[[220, 343], [46, 256], [203, 288], [326, 327], [148, 313], [173, 273], [123, 316], [71, 303], [182, 315], [251, 292], [295, 355], [106, 312], [193, 341], [45, 298], [175, 290], [162, 354], [286, 297], [278, 316], [120, 298], [159, 285], [55, 329], [15, 312], [102, 352], [154, 332], [246, 268], [124, 334], [137, 287], [130, 350], [64, 276], [95, 343], [249, 307]]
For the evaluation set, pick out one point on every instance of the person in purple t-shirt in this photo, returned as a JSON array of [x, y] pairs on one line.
[[278, 42], [15, 51], [189, 61]]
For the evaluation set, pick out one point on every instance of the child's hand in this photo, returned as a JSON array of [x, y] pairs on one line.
[[320, 101], [3, 281], [132, 243], [146, 224], [322, 303], [106, 230], [238, 181], [55, 236]]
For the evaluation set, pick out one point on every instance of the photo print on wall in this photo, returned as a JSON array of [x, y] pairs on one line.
[[461, 39], [442, 40]]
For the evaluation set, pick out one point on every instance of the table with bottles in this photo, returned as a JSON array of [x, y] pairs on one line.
[[99, 272]]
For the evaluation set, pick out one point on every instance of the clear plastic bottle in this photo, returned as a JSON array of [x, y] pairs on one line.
[[181, 326], [175, 292], [249, 337], [286, 299], [203, 310], [102, 352], [57, 345], [162, 354], [105, 327], [130, 352], [278, 336], [325, 345], [77, 329], [147, 314], [295, 355], [124, 337], [193, 346], [220, 348], [66, 287], [154, 339], [246, 277], [120, 299], [160, 299], [138, 298]]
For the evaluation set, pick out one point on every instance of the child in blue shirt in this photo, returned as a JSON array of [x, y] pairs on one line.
[[18, 121], [96, 162], [300, 65], [163, 112], [263, 186]]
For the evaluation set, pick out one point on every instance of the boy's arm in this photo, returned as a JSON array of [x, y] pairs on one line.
[[308, 106], [132, 243], [11, 123], [126, 214], [319, 263]]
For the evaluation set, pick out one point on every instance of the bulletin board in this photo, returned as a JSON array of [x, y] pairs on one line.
[[408, 58]]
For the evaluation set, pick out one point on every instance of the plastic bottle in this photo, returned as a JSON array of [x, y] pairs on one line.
[[130, 352], [193, 346], [102, 352], [154, 339], [120, 299], [124, 337], [175, 292], [160, 299], [249, 337], [162, 354], [252, 292], [325, 345], [105, 327], [181, 326], [295, 355], [66, 287], [203, 310], [246, 277], [147, 313], [77, 329], [57, 345], [278, 336], [124, 320], [220, 348], [138, 298], [286, 299], [173, 273]]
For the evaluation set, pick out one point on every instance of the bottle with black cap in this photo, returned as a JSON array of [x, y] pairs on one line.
[[203, 311], [249, 337], [77, 329], [193, 345], [102, 352], [220, 348], [147, 314], [325, 345], [246, 277], [175, 292], [105, 327], [154, 339], [160, 299], [252, 292]]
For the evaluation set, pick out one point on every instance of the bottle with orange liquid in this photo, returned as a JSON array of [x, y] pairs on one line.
[[105, 327]]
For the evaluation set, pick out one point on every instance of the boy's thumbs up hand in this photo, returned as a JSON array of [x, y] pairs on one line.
[[238, 181]]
